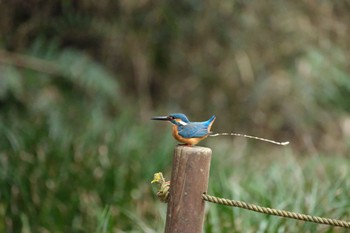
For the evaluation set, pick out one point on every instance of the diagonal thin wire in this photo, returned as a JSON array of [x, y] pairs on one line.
[[280, 213], [249, 136]]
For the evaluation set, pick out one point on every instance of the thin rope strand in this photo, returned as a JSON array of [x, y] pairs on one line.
[[252, 137]]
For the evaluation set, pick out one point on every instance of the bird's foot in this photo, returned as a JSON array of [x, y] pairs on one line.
[[185, 144]]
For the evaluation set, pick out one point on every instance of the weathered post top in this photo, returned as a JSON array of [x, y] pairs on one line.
[[189, 179]]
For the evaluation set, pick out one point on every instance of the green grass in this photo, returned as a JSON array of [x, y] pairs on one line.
[[72, 161], [104, 185], [316, 185]]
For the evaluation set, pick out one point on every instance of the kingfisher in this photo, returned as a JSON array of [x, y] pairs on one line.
[[190, 133]]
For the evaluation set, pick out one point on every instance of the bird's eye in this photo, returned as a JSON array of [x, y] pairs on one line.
[[171, 118]]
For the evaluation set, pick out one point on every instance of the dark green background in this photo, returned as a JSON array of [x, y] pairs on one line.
[[79, 81]]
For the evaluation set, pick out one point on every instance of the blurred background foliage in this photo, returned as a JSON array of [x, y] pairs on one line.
[[79, 81]]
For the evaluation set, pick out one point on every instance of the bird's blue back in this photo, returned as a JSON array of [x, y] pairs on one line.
[[195, 129]]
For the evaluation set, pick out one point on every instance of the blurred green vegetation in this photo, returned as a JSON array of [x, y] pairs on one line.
[[79, 81]]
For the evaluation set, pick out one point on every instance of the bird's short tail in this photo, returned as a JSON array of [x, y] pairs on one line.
[[248, 136]]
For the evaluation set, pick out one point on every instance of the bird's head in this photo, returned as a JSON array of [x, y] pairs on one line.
[[174, 118]]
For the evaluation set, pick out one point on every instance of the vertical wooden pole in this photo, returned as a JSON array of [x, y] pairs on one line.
[[189, 179]]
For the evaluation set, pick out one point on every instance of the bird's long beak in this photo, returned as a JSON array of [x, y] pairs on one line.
[[160, 118]]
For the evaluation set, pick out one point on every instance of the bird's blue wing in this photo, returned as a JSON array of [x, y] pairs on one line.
[[193, 130]]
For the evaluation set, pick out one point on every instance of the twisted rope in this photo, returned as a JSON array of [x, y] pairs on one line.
[[280, 213], [163, 195]]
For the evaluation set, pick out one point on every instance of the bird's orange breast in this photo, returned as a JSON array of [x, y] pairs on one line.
[[189, 141]]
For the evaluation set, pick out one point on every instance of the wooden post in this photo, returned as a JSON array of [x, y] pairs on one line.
[[189, 179]]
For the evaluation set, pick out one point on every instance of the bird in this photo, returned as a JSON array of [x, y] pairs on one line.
[[185, 131], [191, 133]]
